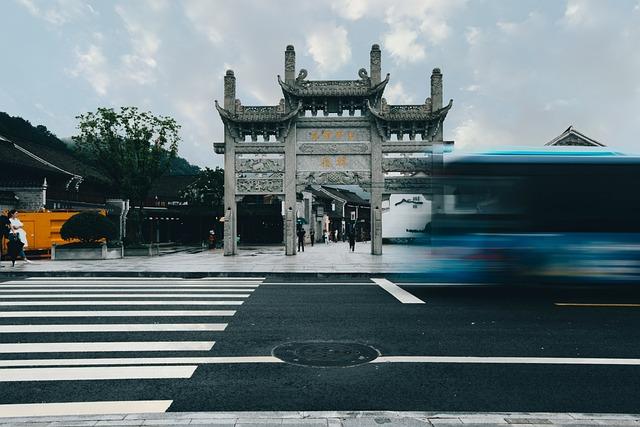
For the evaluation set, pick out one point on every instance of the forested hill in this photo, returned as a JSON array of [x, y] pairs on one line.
[[19, 129]]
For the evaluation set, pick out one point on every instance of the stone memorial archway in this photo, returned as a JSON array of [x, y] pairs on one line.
[[278, 150]]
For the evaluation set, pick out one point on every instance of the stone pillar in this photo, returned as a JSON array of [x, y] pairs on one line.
[[375, 65], [437, 189], [377, 187], [230, 205], [436, 97], [290, 191], [289, 64]]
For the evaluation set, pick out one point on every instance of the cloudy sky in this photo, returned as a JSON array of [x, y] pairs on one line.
[[519, 72]]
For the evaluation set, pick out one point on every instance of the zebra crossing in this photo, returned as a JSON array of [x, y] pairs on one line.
[[157, 329]]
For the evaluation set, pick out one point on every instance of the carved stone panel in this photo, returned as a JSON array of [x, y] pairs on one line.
[[333, 177], [408, 185], [333, 134], [406, 164], [332, 162], [258, 148], [259, 185], [334, 148], [259, 165]]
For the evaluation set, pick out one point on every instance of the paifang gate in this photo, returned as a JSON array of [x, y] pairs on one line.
[[279, 150]]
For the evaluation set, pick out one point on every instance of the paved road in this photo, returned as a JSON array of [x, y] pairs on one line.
[[149, 340]]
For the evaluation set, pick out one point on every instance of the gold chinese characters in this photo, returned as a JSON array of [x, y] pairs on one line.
[[328, 135]]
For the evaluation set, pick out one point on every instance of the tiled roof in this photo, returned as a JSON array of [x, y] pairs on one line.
[[12, 156], [327, 193], [63, 160]]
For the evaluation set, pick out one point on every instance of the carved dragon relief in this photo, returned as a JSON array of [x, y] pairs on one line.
[[333, 177], [259, 165]]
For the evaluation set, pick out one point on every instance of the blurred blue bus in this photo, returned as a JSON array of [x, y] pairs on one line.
[[535, 215]]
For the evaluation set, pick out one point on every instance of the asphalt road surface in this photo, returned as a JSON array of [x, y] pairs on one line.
[[206, 345]]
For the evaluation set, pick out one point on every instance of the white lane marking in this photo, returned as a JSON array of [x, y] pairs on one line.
[[91, 347], [139, 361], [113, 327], [84, 408], [96, 373], [112, 285], [126, 302], [320, 284], [177, 279], [72, 290], [128, 295], [508, 360], [130, 282], [118, 313], [397, 292]]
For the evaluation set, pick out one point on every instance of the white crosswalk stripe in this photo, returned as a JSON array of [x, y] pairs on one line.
[[122, 302], [127, 295], [118, 313], [27, 330]]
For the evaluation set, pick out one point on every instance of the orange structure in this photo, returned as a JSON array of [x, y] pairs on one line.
[[43, 228]]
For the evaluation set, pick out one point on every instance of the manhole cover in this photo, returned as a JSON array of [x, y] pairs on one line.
[[327, 354]]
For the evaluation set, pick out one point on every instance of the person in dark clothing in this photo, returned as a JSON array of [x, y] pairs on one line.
[[313, 236], [5, 226], [301, 234], [352, 241]]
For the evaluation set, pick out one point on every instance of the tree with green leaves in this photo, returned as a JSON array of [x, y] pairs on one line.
[[207, 190], [131, 147]]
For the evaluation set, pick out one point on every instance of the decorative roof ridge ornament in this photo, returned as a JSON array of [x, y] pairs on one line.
[[408, 112], [269, 113], [361, 87]]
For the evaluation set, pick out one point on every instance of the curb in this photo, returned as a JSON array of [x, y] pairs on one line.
[[332, 419]]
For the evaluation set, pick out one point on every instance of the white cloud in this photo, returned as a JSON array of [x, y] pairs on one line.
[[403, 45], [473, 35], [396, 94], [31, 7], [586, 13], [211, 19], [576, 12], [329, 47], [59, 12], [92, 66], [140, 64], [476, 133], [351, 9], [507, 27]]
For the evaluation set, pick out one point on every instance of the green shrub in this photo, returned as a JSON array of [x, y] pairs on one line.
[[88, 227]]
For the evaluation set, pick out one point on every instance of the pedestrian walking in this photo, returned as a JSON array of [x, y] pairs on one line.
[[19, 235], [212, 239], [325, 237], [301, 234], [5, 228], [312, 234], [352, 242]]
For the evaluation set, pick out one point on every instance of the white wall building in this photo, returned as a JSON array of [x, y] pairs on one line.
[[404, 215]]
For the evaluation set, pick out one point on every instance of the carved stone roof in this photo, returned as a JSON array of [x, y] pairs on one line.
[[260, 114], [404, 113], [333, 88]]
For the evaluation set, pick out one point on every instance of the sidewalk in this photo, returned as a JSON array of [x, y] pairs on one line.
[[319, 259], [331, 419]]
